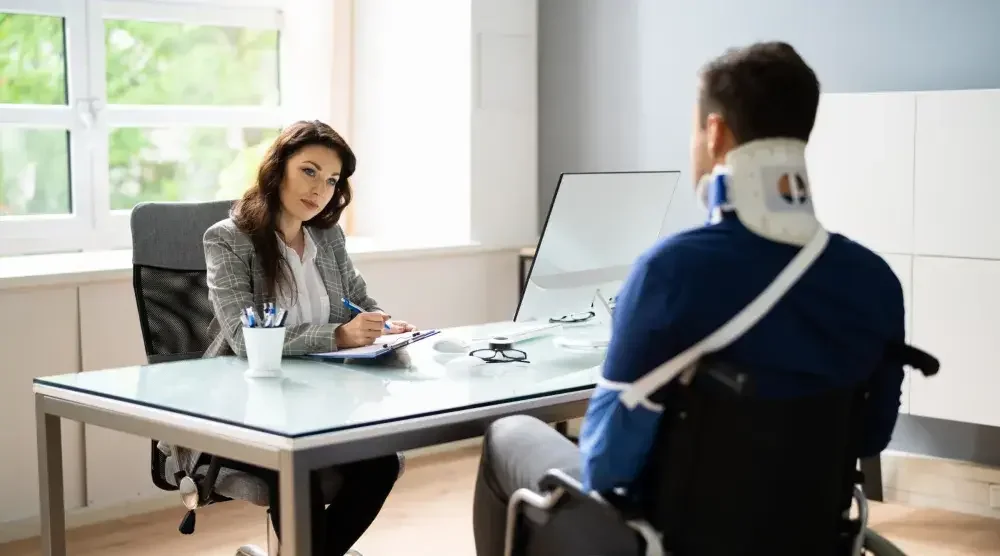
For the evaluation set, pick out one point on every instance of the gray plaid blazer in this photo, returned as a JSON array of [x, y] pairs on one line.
[[236, 281]]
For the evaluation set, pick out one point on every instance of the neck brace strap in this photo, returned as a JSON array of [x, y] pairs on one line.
[[766, 185]]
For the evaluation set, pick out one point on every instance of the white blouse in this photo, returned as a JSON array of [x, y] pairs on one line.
[[312, 305]]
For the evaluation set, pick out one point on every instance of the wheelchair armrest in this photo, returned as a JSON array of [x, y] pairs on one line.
[[573, 491], [559, 489], [927, 364], [557, 478]]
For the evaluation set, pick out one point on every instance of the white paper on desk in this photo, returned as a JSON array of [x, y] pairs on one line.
[[381, 343]]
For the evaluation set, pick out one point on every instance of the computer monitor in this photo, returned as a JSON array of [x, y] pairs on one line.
[[598, 224]]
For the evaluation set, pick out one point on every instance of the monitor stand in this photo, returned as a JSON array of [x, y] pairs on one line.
[[596, 338]]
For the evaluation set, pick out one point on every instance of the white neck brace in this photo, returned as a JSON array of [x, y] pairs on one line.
[[766, 184]]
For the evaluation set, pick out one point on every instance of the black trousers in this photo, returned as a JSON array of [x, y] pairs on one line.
[[365, 486], [517, 452]]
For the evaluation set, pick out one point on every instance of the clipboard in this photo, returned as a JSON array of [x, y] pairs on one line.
[[383, 345]]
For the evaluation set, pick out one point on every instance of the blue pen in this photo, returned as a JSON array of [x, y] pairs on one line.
[[353, 307]]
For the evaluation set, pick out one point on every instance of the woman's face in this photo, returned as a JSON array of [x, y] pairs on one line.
[[311, 177]]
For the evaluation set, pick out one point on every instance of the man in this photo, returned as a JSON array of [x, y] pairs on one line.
[[828, 330]]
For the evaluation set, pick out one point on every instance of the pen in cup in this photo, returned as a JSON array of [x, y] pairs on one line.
[[273, 317], [353, 307]]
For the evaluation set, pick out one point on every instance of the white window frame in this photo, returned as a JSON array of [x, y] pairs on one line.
[[56, 232], [89, 119]]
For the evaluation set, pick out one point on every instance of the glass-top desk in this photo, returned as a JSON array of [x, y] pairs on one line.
[[318, 414]]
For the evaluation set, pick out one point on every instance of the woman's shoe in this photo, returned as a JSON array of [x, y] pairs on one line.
[[251, 550], [254, 550]]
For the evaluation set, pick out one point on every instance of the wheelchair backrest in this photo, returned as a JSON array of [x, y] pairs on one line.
[[734, 473]]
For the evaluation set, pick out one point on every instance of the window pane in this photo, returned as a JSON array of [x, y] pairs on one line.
[[184, 64], [32, 59], [183, 164], [34, 172]]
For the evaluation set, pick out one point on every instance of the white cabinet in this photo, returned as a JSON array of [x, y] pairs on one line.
[[860, 161], [957, 186], [956, 307], [911, 176], [41, 341], [902, 265]]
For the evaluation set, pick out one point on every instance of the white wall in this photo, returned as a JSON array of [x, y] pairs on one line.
[[618, 77], [107, 473], [445, 120], [908, 175], [504, 122], [411, 117]]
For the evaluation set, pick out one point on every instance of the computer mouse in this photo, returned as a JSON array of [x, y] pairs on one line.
[[452, 345]]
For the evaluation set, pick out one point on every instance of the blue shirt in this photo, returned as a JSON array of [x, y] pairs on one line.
[[829, 331]]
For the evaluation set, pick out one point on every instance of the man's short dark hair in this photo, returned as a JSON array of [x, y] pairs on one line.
[[765, 90]]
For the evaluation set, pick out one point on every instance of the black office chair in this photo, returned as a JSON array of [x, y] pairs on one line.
[[171, 294], [717, 479]]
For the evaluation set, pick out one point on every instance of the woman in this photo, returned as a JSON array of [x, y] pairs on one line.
[[283, 245]]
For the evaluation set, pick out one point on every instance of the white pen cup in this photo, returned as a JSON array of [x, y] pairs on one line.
[[264, 346]]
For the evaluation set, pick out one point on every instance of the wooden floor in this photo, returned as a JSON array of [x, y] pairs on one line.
[[430, 513]]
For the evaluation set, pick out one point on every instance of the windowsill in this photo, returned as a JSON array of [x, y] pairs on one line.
[[31, 271]]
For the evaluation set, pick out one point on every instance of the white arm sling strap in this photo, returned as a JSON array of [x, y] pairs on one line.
[[639, 391]]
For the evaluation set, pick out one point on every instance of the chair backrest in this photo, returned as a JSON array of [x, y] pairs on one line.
[[169, 276], [734, 473]]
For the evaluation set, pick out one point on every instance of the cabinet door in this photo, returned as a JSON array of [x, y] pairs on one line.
[[955, 308], [860, 161], [43, 340], [902, 265], [117, 463], [957, 188]]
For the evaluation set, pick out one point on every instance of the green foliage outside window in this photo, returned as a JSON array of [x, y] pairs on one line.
[[147, 63]]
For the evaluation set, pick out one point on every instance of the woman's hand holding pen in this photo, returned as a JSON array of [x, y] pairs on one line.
[[362, 330], [399, 326]]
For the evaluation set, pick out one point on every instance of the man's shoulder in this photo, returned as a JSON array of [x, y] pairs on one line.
[[710, 250], [688, 251], [865, 263]]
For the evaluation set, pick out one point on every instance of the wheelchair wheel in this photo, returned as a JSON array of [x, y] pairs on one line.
[[877, 545]]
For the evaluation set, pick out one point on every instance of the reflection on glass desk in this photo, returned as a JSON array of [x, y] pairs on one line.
[[315, 397]]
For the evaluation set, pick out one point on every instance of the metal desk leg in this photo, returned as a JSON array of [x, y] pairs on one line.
[[296, 521], [871, 468], [50, 481]]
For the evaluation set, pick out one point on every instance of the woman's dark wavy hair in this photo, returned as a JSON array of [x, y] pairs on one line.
[[256, 214]]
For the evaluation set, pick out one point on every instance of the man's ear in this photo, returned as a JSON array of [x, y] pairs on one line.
[[716, 136]]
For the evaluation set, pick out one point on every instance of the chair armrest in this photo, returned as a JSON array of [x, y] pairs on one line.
[[157, 468], [207, 486]]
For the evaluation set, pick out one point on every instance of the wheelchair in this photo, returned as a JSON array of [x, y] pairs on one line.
[[729, 474]]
